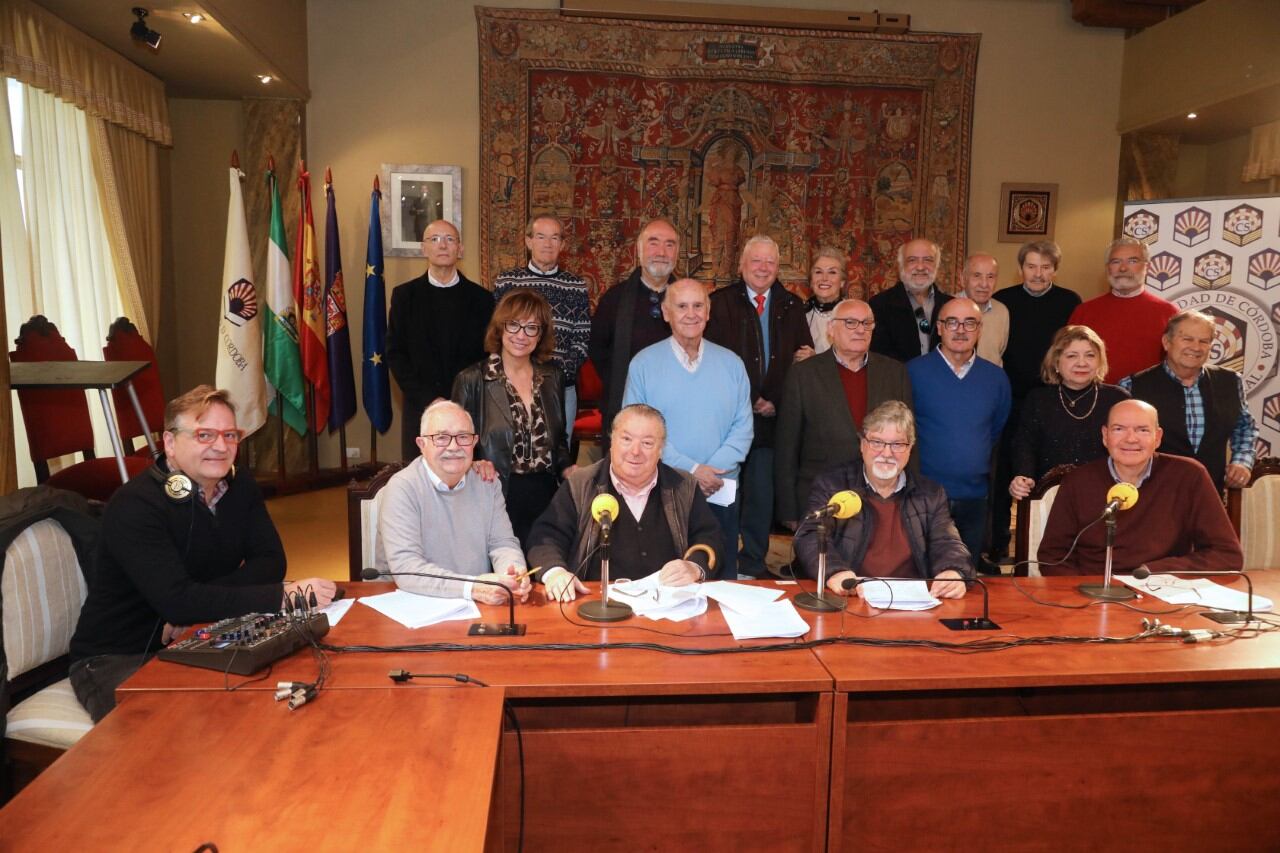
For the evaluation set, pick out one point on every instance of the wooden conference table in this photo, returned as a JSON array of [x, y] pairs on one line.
[[842, 746]]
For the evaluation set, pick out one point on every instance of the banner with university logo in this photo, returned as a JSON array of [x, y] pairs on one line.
[[1222, 257]]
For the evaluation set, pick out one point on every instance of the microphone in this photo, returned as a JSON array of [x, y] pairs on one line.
[[843, 504], [1222, 617], [604, 509], [982, 623], [1121, 496], [477, 629]]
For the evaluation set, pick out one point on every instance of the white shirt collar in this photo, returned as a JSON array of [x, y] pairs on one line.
[[533, 268], [840, 361], [689, 364], [1142, 478], [897, 487], [962, 370], [438, 484], [435, 282]]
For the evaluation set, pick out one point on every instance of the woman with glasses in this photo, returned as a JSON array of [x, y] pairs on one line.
[[1062, 420], [826, 283], [515, 395]]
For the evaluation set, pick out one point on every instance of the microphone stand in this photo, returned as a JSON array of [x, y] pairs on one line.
[[821, 600], [1105, 591], [1222, 617], [604, 610], [963, 623], [477, 629]]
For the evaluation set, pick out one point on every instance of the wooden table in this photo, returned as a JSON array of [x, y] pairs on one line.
[[1058, 746], [101, 376], [625, 749], [174, 771]]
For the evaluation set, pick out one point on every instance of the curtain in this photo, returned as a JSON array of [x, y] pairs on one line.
[[15, 266], [44, 51], [127, 171], [1264, 153], [73, 280]]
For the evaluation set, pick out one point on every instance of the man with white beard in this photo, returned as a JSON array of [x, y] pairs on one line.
[[907, 313], [904, 529]]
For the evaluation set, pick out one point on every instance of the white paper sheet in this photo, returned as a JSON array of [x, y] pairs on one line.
[[899, 595], [1201, 591], [336, 610], [419, 611], [776, 619], [725, 495], [744, 598], [652, 600]]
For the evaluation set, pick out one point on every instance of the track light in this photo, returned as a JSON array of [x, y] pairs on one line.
[[193, 17], [141, 32]]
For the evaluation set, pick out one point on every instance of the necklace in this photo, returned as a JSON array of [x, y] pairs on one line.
[[1070, 405]]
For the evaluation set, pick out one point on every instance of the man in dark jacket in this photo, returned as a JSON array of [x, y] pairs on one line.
[[189, 541], [663, 523], [757, 318], [435, 328], [907, 313], [903, 530]]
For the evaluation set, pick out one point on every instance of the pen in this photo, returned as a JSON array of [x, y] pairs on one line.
[[524, 575]]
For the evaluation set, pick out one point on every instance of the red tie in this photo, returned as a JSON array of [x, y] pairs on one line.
[[759, 304]]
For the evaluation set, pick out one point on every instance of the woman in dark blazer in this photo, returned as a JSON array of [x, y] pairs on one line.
[[515, 395]]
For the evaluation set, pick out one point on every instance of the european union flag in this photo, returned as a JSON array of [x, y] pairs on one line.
[[377, 379]]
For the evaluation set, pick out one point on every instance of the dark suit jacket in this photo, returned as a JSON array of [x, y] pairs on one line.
[[897, 334], [735, 324], [815, 430]]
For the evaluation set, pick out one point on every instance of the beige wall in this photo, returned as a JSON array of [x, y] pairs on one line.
[[1213, 170]]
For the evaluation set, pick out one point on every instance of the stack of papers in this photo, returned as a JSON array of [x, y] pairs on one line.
[[1201, 591], [419, 611], [753, 612], [898, 595], [650, 599], [336, 610]]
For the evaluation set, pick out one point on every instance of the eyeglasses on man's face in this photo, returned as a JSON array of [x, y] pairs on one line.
[[444, 439], [969, 324], [209, 436], [442, 239], [853, 323], [531, 330], [879, 445]]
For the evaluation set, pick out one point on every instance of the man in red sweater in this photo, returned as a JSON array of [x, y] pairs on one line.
[[1177, 524], [1129, 319]]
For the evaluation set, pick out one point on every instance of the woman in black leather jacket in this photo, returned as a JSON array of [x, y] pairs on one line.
[[515, 395]]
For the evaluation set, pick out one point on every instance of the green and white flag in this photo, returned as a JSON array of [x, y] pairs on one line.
[[239, 368], [283, 363]]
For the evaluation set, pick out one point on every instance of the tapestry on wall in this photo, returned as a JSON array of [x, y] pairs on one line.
[[854, 140]]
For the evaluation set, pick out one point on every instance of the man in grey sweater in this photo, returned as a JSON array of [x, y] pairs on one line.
[[435, 516]]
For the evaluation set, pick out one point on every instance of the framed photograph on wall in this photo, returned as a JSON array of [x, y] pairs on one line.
[[1028, 212], [413, 197]]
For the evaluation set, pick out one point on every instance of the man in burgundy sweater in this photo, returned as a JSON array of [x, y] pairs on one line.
[[1177, 524]]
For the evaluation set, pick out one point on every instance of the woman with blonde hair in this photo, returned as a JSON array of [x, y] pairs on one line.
[[827, 284]]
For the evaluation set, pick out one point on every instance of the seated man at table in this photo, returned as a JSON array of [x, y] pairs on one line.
[[903, 530], [1177, 523], [187, 541], [439, 517], [663, 520]]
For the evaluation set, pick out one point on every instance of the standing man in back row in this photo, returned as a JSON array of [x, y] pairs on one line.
[[629, 314], [564, 292], [435, 328], [907, 313], [757, 318]]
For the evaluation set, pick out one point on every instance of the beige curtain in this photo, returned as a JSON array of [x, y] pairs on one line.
[[1264, 153], [15, 264], [127, 171], [42, 50]]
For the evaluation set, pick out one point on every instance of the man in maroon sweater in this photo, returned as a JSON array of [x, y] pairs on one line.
[[1177, 524]]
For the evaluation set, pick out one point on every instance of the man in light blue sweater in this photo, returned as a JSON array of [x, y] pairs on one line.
[[962, 402], [703, 391], [437, 517]]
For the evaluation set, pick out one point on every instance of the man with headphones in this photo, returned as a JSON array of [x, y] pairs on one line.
[[188, 542]]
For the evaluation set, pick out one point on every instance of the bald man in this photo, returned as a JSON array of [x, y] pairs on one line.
[[435, 328], [1178, 523]]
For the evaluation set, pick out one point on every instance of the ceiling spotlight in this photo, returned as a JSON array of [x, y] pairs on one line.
[[193, 17], [141, 32], [1191, 115], [265, 78]]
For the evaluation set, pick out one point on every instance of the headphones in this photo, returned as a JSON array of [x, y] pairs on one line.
[[177, 486]]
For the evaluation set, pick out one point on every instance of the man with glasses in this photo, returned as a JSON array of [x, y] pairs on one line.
[[1178, 523], [961, 405], [565, 292], [907, 312], [824, 404], [188, 541], [435, 328], [629, 315], [1130, 319], [904, 529], [437, 516]]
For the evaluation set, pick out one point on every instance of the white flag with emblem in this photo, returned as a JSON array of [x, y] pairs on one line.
[[240, 327]]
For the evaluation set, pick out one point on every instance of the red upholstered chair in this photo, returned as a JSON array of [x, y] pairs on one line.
[[589, 423], [124, 343], [57, 421]]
